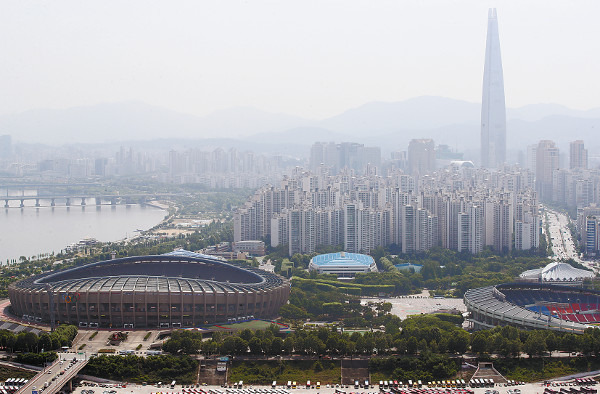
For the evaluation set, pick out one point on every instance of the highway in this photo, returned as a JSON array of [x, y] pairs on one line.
[[56, 375], [563, 246]]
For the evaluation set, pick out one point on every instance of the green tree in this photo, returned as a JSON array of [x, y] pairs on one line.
[[479, 343], [255, 345], [535, 345]]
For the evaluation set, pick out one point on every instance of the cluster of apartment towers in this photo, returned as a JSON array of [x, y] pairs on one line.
[[459, 207]]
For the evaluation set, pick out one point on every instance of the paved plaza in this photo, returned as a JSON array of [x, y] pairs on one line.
[[404, 306]]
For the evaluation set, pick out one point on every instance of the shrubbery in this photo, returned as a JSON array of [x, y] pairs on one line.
[[426, 368], [36, 358], [132, 368]]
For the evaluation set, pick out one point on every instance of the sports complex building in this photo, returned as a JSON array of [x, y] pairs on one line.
[[178, 289], [551, 298], [344, 265], [534, 306]]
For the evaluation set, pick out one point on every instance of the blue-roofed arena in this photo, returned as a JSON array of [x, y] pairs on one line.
[[178, 289], [342, 264]]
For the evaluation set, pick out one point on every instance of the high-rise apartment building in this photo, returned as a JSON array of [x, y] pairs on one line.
[[493, 110], [531, 161], [503, 225], [547, 162], [578, 155]]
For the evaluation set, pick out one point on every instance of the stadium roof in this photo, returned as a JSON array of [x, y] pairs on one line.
[[176, 271], [557, 272], [343, 258]]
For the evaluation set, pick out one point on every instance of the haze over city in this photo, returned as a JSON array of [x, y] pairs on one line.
[[222, 195], [270, 67]]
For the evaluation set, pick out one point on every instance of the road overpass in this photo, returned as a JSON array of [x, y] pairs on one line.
[[60, 373]]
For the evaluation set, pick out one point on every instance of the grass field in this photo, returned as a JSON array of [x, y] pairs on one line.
[[8, 372], [251, 324]]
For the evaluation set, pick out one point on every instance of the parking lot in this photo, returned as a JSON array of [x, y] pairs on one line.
[[530, 388]]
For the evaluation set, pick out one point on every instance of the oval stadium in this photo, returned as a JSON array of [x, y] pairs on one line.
[[178, 289], [534, 306]]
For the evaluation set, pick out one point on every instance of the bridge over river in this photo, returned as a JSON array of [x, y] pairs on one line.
[[68, 200]]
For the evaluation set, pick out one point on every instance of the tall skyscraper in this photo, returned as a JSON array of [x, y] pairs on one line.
[[493, 110]]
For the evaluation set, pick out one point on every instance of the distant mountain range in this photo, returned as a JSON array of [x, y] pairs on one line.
[[390, 125]]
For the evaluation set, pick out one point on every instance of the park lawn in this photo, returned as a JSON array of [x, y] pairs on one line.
[[265, 372], [251, 324]]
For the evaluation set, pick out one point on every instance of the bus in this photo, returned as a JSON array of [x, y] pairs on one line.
[[173, 384]]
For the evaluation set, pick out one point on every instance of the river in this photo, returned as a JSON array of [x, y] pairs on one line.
[[31, 231]]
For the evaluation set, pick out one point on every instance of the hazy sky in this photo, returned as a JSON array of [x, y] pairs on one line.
[[308, 58]]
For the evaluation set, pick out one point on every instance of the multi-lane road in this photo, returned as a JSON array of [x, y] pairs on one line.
[[53, 378], [563, 246]]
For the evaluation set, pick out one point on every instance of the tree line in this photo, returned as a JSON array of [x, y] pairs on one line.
[[415, 336], [63, 335]]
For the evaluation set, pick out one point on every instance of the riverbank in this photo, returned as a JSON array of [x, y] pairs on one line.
[[34, 233]]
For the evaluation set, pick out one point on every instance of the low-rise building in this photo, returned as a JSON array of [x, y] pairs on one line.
[[344, 265]]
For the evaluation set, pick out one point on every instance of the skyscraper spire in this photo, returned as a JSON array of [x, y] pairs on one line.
[[493, 109]]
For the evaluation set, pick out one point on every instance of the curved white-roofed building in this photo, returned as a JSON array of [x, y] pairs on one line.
[[342, 264], [557, 272], [462, 163]]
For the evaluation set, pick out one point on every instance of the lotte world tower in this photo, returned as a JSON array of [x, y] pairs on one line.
[[493, 109]]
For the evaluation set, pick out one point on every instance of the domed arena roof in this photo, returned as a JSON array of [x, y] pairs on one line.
[[557, 272]]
